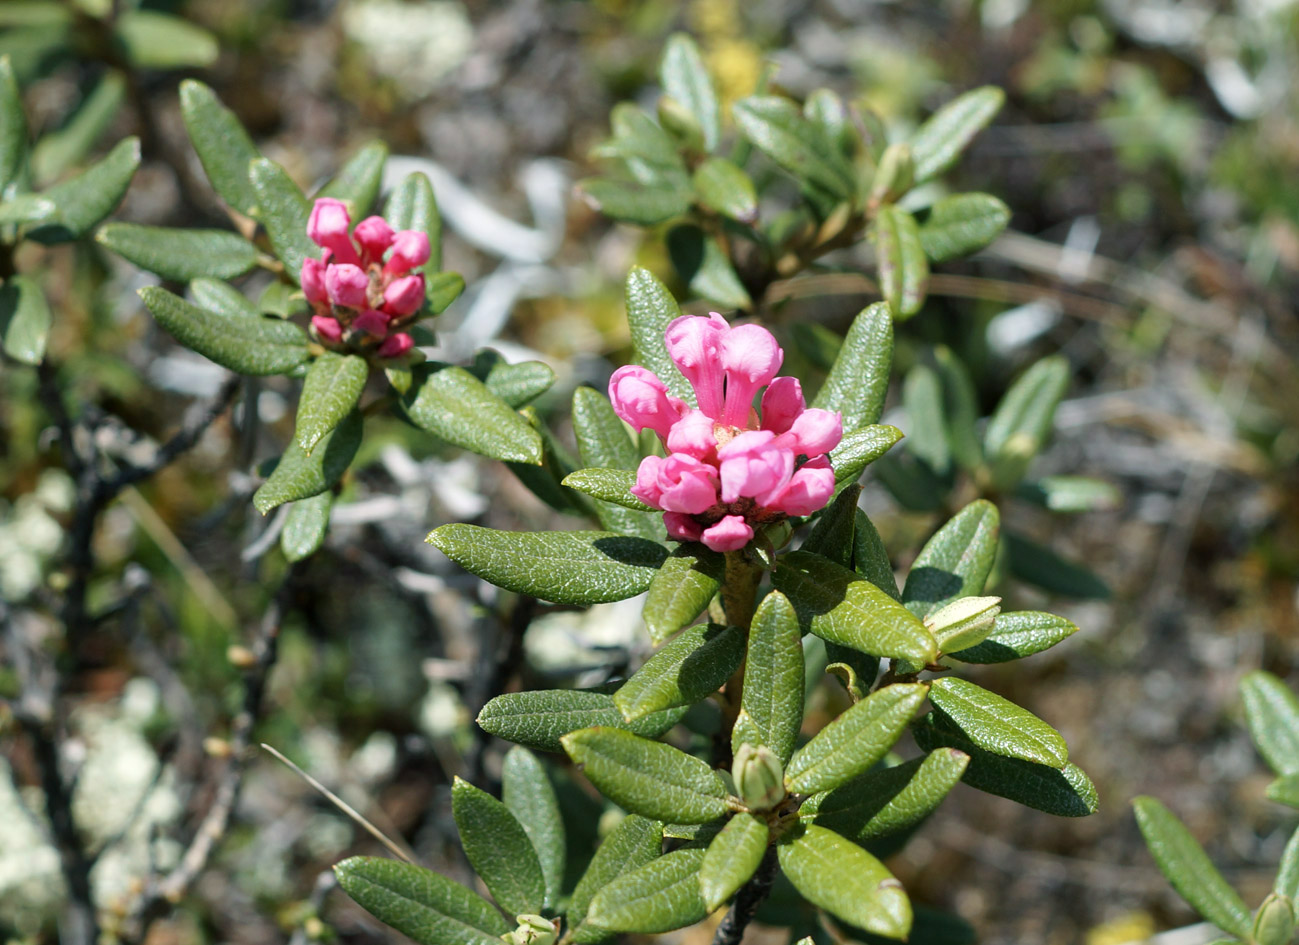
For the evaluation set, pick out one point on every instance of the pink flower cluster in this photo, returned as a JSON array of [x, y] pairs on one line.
[[357, 295], [729, 469]]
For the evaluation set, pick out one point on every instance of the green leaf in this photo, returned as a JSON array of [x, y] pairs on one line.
[[442, 289], [258, 347], [660, 896], [647, 777], [732, 857], [915, 486], [960, 410], [27, 209], [1017, 635], [776, 127], [1018, 428], [332, 387], [1064, 792], [90, 196], [1071, 493], [859, 381], [427, 907], [650, 307], [13, 126], [829, 115], [922, 398], [453, 404], [357, 184], [871, 558], [839, 606], [608, 485], [726, 189], [832, 536], [556, 463], [602, 441], [705, 267], [516, 384], [956, 561], [179, 254], [771, 701], [1183, 861], [538, 719], [563, 567], [644, 149], [818, 344], [156, 40], [306, 526], [859, 449], [840, 877], [634, 202], [498, 849], [888, 801], [960, 224], [59, 150], [25, 319], [684, 78], [413, 206], [1272, 712], [283, 211], [939, 141], [528, 793], [632, 844], [223, 146], [688, 580], [996, 724], [903, 269], [854, 741], [221, 298], [684, 672], [299, 476], [1284, 790], [1037, 564], [1287, 877]]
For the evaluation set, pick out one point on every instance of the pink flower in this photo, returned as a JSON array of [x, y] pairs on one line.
[[781, 404], [808, 490], [313, 280], [682, 527], [751, 358], [394, 346], [641, 399], [814, 431], [753, 466], [327, 328], [374, 236], [347, 285], [410, 249], [371, 322], [730, 534], [694, 434], [328, 227], [404, 296], [694, 344], [679, 483]]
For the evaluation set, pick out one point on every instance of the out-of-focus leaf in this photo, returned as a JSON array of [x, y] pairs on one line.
[[538, 719], [453, 404], [330, 392], [33, 48], [829, 115], [1038, 564], [633, 201], [517, 384], [956, 561], [1020, 425], [608, 485], [859, 381], [632, 844], [704, 266], [424, 905], [1285, 790], [258, 347], [859, 449], [842, 878], [660, 896], [776, 127], [939, 141], [684, 78], [960, 410], [1016, 635], [90, 196], [961, 224], [1071, 493], [412, 206], [731, 858], [357, 183], [871, 558], [13, 125], [911, 482], [441, 289], [25, 319], [684, 672], [284, 211], [922, 398], [689, 578], [180, 254], [996, 724], [27, 209], [306, 526], [499, 849], [59, 150], [156, 40], [528, 793], [223, 146], [726, 189], [299, 476], [1272, 712], [771, 702], [817, 343], [1287, 877], [903, 269]]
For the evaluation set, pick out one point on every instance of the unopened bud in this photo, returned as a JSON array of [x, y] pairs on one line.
[[1274, 922], [759, 777], [533, 930], [894, 176], [964, 622]]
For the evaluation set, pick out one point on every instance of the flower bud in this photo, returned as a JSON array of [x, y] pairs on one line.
[[964, 622], [404, 296], [410, 250], [394, 346], [759, 777], [533, 930], [1274, 922], [371, 322], [374, 236], [347, 285], [327, 329]]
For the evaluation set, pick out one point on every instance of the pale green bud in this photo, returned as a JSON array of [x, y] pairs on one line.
[[964, 622], [1274, 922], [759, 777], [533, 930], [894, 176]]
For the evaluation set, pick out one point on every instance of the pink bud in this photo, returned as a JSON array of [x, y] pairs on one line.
[[752, 465], [682, 527], [374, 236], [641, 399], [815, 432], [694, 344], [677, 484], [730, 534], [371, 322], [347, 285], [647, 487], [409, 250], [693, 435], [312, 277], [808, 490], [328, 226], [327, 329], [750, 358], [782, 402], [404, 296], [394, 346]]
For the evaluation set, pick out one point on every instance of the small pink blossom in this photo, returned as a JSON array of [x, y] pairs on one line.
[[750, 358], [814, 431], [730, 534], [313, 280], [404, 296], [695, 435], [372, 322], [694, 344], [641, 399], [347, 285], [682, 527], [782, 402], [808, 489], [374, 236], [327, 328], [328, 227], [410, 249], [679, 483], [394, 346]]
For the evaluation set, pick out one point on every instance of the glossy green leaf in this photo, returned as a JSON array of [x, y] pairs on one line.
[[1287, 877], [660, 896], [859, 381], [453, 404], [647, 777], [526, 790], [684, 78], [413, 206], [871, 558], [538, 719], [684, 672], [56, 151], [155, 40], [922, 398], [854, 741], [634, 202], [90, 196], [859, 449], [996, 724], [283, 211], [854, 669], [771, 702], [1020, 425], [305, 526], [299, 476], [683, 587], [1284, 790], [956, 561], [442, 289], [650, 307], [726, 189], [357, 182], [257, 347], [25, 319], [332, 387], [27, 209], [840, 877], [1272, 712], [221, 298], [1037, 564], [838, 605], [939, 141], [1183, 861], [602, 441], [832, 535], [13, 125], [421, 904], [1064, 792], [776, 127], [180, 254], [1071, 493], [632, 844], [961, 224], [563, 567], [609, 485], [705, 267], [499, 849], [517, 384], [1016, 635], [223, 146], [732, 857], [900, 257]]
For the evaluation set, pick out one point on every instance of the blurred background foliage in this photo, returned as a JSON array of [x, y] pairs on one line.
[[1148, 150]]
